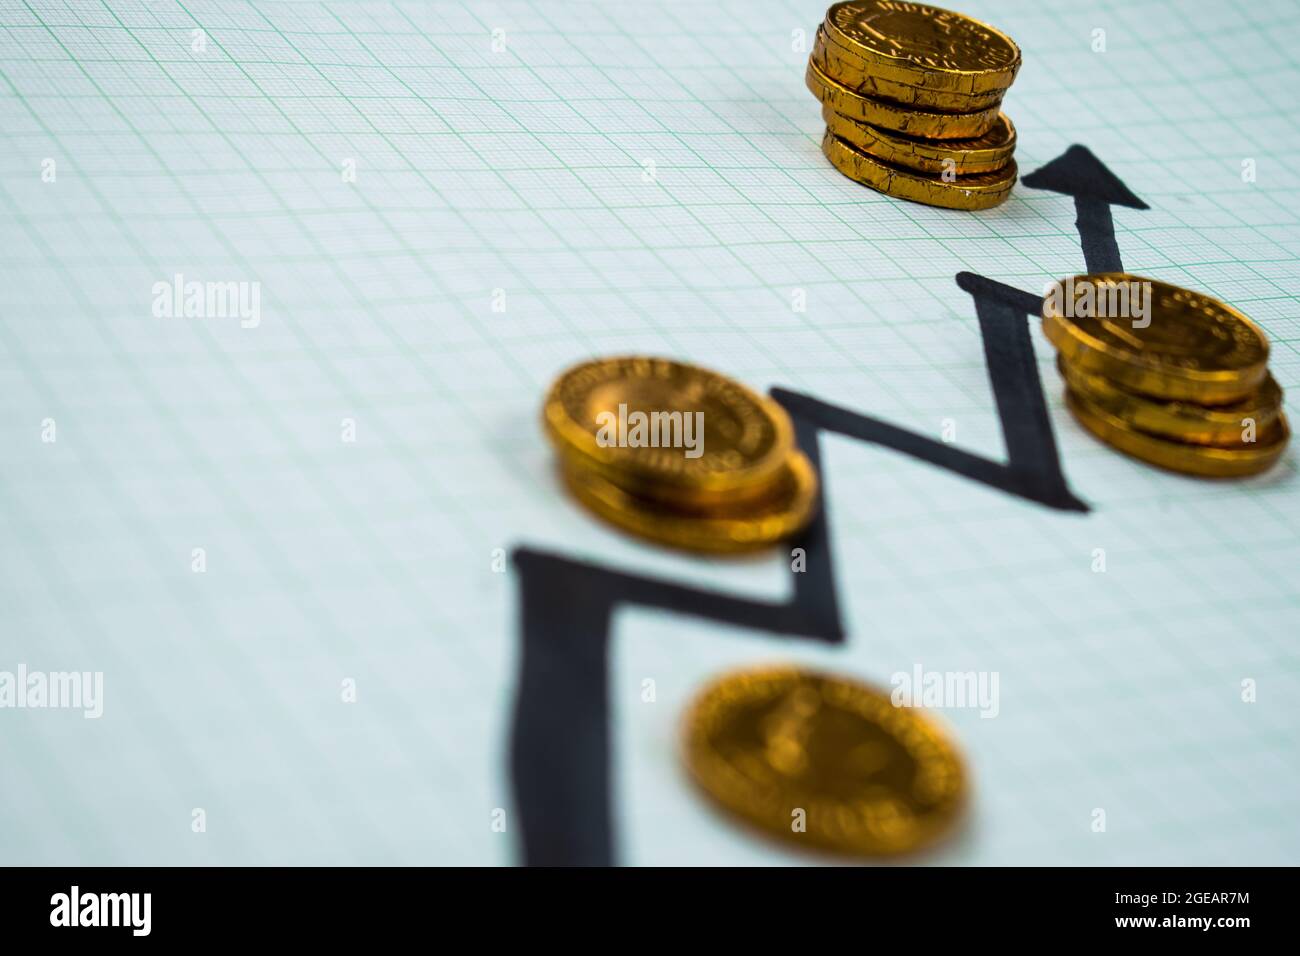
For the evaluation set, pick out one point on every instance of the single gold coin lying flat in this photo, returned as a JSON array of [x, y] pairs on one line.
[[847, 68], [1194, 348], [781, 746], [630, 418], [981, 191], [900, 119], [1205, 461], [965, 157], [925, 46], [789, 504], [1181, 421]]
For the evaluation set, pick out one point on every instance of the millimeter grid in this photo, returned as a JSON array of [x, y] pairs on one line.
[[630, 177]]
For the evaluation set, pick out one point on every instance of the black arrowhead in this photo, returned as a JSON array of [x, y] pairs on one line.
[[1078, 173]]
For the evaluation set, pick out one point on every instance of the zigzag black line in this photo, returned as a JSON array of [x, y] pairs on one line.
[[559, 747]]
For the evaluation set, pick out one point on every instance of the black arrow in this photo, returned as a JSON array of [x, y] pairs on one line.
[[559, 748], [1078, 173], [560, 743]]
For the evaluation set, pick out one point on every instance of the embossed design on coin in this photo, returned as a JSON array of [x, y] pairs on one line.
[[1193, 346], [746, 437], [934, 45], [871, 779]]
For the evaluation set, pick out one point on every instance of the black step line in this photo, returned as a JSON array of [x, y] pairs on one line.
[[560, 731]]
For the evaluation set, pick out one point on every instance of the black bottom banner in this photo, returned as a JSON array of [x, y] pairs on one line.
[[337, 906]]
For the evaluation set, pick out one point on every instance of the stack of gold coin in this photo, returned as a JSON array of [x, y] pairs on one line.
[[679, 455], [1169, 376], [824, 762], [911, 96]]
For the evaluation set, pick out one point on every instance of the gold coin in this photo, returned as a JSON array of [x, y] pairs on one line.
[[779, 746], [965, 157], [900, 119], [846, 68], [1205, 461], [1182, 421], [981, 191], [925, 46], [789, 504], [629, 418], [1193, 347]]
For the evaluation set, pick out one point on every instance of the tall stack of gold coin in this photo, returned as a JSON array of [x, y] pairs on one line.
[[1184, 385], [911, 96], [679, 455]]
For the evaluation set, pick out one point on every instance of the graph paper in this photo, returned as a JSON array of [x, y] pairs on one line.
[[279, 536]]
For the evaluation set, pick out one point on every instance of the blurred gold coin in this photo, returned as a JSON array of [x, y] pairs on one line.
[[924, 46], [901, 119], [1186, 346], [964, 157], [823, 762], [981, 191], [1205, 461], [788, 504], [1181, 421], [847, 68], [668, 430]]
